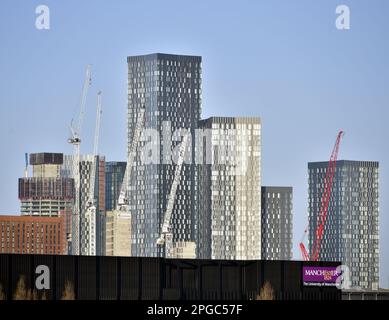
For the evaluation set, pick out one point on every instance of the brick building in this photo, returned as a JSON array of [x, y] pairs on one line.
[[33, 235]]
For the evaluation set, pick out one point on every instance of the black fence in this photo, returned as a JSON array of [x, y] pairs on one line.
[[133, 278], [381, 294]]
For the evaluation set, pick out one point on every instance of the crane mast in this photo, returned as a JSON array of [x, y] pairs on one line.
[[325, 200], [122, 214], [95, 150], [75, 140], [166, 237], [91, 204], [123, 201]]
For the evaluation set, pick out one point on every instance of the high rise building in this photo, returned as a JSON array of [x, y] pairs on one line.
[[351, 232], [46, 193], [33, 234], [114, 174], [169, 88], [117, 228], [228, 188], [86, 162], [276, 223]]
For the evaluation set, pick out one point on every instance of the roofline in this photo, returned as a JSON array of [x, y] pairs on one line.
[[217, 118], [313, 163], [163, 55]]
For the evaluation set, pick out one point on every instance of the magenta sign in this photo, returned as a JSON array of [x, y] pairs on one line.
[[320, 276]]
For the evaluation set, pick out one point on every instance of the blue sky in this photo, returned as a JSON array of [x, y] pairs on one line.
[[281, 60]]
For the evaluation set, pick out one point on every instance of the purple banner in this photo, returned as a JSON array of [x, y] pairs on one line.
[[320, 275]]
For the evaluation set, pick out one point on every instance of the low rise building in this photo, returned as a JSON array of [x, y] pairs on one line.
[[33, 235]]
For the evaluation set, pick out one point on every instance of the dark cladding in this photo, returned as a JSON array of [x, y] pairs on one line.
[[47, 188], [46, 158], [135, 278]]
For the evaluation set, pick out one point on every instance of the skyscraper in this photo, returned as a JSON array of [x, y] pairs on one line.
[[228, 188], [116, 229], [46, 193], [169, 88], [276, 223], [351, 232], [114, 173], [99, 195]]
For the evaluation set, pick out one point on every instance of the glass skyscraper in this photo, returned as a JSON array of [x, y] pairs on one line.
[[277, 223], [169, 88], [85, 166], [228, 188], [114, 174], [351, 233]]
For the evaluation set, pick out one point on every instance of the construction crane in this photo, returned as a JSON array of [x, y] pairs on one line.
[[90, 214], [122, 209], [166, 237], [325, 200], [75, 140], [123, 201]]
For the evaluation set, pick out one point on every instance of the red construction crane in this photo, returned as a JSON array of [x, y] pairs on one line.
[[325, 200]]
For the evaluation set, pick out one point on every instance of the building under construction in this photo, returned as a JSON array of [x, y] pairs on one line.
[[46, 192]]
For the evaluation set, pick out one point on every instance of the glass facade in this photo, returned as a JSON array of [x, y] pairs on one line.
[[114, 173], [169, 88], [99, 194], [351, 232], [277, 223], [228, 189]]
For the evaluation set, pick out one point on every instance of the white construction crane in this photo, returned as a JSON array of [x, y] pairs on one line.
[[90, 214], [75, 140], [122, 214], [166, 237], [123, 201]]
